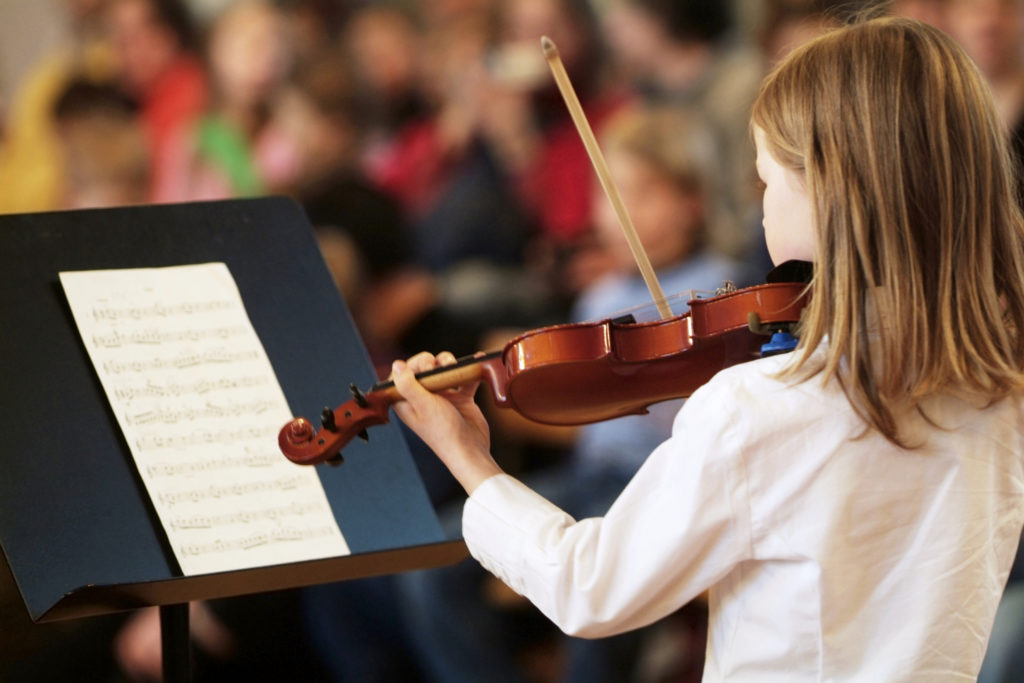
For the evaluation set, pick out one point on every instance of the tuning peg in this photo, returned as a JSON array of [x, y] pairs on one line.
[[359, 397], [363, 435], [327, 419], [336, 460]]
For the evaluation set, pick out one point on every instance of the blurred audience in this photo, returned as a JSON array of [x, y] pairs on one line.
[[364, 236], [317, 115], [525, 121]]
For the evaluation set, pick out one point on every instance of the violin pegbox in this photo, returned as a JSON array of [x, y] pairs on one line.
[[304, 445]]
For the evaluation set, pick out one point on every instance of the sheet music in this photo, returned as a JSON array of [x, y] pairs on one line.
[[200, 408]]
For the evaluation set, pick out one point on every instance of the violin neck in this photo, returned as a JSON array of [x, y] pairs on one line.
[[465, 370]]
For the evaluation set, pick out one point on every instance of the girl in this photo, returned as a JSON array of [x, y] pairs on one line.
[[853, 507], [665, 164]]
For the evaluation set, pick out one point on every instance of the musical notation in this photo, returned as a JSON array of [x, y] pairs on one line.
[[250, 541], [179, 467], [194, 393], [154, 336], [200, 437], [160, 309], [201, 387], [245, 517], [237, 489], [179, 361], [168, 414]]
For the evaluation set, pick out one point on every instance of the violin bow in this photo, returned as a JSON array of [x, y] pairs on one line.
[[604, 175]]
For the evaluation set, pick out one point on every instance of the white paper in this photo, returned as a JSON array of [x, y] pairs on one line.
[[200, 408]]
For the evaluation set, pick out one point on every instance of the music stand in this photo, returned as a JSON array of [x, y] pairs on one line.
[[77, 526]]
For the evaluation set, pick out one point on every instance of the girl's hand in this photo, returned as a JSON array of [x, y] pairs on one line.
[[449, 422]]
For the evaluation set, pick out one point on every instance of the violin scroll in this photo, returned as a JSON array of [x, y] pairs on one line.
[[304, 445]]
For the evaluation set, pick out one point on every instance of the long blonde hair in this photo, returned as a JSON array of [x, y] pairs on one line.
[[919, 272]]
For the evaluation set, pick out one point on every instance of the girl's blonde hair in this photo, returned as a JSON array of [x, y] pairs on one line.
[[918, 265]]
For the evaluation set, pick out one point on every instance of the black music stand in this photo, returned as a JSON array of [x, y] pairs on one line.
[[76, 524]]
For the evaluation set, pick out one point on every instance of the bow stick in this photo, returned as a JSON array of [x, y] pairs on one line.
[[604, 175]]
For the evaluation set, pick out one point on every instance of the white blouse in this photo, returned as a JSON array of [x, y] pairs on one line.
[[830, 554]]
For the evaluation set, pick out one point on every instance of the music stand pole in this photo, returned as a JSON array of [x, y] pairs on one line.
[[175, 643]]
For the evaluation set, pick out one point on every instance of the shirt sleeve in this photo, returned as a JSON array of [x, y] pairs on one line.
[[679, 526]]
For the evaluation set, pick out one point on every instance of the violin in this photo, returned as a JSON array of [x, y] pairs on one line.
[[580, 373]]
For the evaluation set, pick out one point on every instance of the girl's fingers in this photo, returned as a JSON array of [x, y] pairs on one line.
[[422, 362], [403, 374]]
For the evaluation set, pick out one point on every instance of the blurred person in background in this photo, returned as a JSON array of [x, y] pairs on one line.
[[992, 33], [229, 150], [317, 115], [524, 121], [383, 44], [105, 157], [313, 26], [497, 179], [691, 54], [31, 162], [156, 43], [929, 11], [789, 23]]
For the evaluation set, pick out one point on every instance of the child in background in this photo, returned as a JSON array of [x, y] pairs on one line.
[[155, 49], [103, 146], [853, 508], [228, 150]]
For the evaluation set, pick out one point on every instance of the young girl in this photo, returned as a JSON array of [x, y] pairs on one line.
[[853, 507], [665, 164]]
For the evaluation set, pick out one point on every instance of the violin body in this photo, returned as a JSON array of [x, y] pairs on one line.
[[581, 373]]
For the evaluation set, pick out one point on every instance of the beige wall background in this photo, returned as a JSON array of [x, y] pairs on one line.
[[28, 30]]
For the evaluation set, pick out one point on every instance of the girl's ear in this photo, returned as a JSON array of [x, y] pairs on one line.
[[796, 178]]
